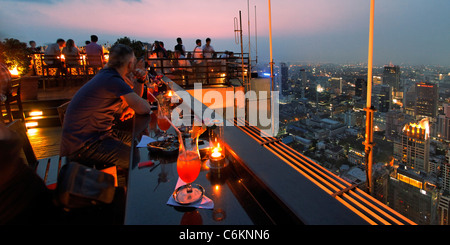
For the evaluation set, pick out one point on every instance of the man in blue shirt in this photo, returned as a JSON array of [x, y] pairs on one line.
[[89, 136]]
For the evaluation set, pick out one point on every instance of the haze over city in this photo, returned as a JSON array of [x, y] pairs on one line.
[[406, 31]]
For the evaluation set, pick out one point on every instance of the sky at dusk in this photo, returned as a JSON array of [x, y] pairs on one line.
[[406, 31]]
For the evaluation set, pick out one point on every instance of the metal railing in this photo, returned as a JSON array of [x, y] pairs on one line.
[[359, 202], [218, 70], [57, 66]]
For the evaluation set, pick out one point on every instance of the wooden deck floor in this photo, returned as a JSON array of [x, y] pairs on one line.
[[45, 141], [57, 93]]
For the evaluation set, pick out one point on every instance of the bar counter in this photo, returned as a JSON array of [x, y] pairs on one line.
[[149, 189]]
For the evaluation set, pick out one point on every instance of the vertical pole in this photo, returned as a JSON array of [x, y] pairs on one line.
[[370, 55], [369, 109], [271, 71], [242, 53], [271, 56], [249, 67]]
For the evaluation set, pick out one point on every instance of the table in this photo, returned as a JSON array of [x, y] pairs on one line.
[[149, 190]]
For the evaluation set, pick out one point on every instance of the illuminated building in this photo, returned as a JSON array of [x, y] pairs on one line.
[[412, 188], [414, 195], [426, 99], [356, 157], [412, 147]]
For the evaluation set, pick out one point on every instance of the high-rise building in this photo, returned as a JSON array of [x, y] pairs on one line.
[[414, 195], [395, 120], [335, 85], [443, 208], [409, 101], [412, 189], [391, 77], [444, 199], [443, 123], [412, 147], [304, 82], [445, 173], [426, 99], [361, 88], [382, 97], [284, 70]]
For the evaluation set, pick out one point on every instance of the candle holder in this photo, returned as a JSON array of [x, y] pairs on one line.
[[216, 153]]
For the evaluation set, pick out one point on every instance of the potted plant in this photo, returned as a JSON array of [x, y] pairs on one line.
[[15, 55]]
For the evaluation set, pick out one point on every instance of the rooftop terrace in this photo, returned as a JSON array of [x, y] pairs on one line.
[[275, 175]]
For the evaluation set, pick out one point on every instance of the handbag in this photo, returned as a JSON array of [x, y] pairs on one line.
[[79, 186]]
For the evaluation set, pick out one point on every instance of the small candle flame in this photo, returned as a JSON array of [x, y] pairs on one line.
[[216, 152]]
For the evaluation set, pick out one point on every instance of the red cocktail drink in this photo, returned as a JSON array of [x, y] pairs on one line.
[[163, 123], [150, 97], [188, 166]]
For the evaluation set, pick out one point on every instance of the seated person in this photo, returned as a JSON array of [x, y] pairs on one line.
[[52, 51], [72, 53], [181, 63], [90, 135]]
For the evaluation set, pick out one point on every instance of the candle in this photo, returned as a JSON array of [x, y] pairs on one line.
[[217, 151]]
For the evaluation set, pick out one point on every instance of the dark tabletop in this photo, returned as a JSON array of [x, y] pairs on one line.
[[149, 189]]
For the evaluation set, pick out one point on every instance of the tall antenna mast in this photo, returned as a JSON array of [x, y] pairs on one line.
[[256, 38], [369, 109], [238, 40]]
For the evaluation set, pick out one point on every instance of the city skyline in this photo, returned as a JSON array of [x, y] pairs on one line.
[[406, 32]]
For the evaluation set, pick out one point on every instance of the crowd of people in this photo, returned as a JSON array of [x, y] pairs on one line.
[[157, 49], [158, 55], [94, 52]]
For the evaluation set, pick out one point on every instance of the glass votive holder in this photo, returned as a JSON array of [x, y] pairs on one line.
[[216, 146]]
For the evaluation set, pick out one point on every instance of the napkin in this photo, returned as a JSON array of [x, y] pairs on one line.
[[145, 140], [206, 202]]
